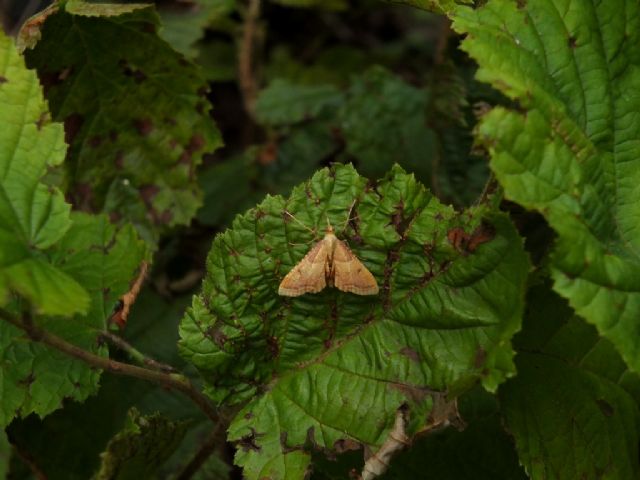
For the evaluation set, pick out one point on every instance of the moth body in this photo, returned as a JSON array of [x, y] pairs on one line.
[[329, 262]]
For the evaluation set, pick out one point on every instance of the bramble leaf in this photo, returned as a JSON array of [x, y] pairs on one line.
[[33, 216], [334, 366], [35, 378], [573, 407], [572, 155], [135, 112], [437, 6], [141, 447]]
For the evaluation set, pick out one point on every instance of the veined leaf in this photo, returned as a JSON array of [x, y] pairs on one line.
[[573, 407], [35, 378], [334, 366], [135, 111], [33, 216], [572, 154]]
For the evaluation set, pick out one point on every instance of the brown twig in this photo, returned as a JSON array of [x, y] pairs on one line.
[[28, 460], [135, 354], [397, 440], [246, 62], [168, 380], [207, 448]]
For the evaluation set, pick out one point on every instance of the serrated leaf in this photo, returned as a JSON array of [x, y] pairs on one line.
[[140, 448], [573, 408], [33, 216], [134, 110], [333, 365], [35, 378], [572, 153]]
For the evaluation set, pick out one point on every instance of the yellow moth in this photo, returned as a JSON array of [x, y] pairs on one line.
[[329, 262]]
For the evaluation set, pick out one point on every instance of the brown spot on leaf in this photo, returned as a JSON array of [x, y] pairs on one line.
[[605, 407], [147, 192], [95, 141], [42, 120], [3, 80], [268, 153], [346, 444], [72, 125], [248, 442], [480, 357], [144, 126], [412, 392], [572, 42], [410, 353]]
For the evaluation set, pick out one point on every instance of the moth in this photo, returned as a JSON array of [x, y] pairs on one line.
[[329, 262]]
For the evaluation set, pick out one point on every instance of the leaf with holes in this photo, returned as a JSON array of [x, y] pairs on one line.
[[572, 153], [573, 408], [135, 112], [331, 367]]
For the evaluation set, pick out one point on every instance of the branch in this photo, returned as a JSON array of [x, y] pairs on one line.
[[207, 448], [246, 67], [397, 439], [134, 353], [168, 380]]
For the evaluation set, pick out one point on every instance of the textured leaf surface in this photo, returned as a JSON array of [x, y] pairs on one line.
[[336, 365], [135, 111], [32, 216], [140, 448], [573, 407], [35, 378], [574, 67]]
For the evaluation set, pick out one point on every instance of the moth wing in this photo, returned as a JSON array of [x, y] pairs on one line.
[[349, 273], [309, 275]]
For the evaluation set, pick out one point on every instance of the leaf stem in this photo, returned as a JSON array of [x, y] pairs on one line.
[[134, 353], [169, 380]]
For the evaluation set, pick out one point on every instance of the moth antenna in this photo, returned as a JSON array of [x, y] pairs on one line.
[[298, 221], [344, 227]]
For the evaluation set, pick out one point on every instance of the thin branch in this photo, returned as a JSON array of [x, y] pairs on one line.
[[207, 448], [168, 380], [246, 49], [135, 354]]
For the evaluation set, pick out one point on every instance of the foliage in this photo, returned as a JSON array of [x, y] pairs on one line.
[[478, 158]]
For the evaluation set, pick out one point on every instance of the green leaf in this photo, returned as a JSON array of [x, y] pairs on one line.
[[573, 408], [184, 23], [399, 133], [572, 154], [35, 378], [135, 111], [33, 216], [140, 448], [286, 103], [152, 328], [334, 365], [437, 6]]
